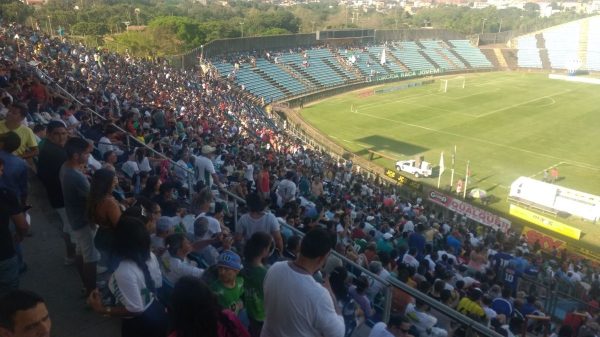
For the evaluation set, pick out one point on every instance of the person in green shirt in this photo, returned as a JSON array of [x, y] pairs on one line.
[[258, 247], [228, 286]]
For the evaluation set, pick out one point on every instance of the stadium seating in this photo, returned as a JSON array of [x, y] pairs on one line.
[[291, 84], [562, 43], [297, 72], [593, 45], [528, 53], [471, 54]]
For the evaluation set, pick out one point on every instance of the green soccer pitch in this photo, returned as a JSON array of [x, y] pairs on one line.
[[507, 124]]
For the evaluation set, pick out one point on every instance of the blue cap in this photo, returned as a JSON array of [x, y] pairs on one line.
[[229, 259]]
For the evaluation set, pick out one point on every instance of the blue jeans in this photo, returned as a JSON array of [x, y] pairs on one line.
[[9, 275]]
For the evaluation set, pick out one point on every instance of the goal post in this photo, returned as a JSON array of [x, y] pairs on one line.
[[452, 83]]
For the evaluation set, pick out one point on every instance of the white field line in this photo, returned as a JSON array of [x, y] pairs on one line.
[[483, 141], [522, 103]]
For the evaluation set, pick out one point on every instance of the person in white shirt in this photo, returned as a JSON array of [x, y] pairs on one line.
[[398, 326], [423, 321], [205, 169], [105, 143], [295, 304], [410, 258], [134, 283], [174, 263], [286, 190], [257, 220]]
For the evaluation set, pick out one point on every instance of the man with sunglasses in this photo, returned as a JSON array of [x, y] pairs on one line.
[[398, 326]]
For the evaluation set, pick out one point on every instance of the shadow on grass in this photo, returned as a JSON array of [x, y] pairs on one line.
[[379, 143]]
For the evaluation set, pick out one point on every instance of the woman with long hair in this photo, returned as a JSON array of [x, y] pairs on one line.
[[134, 283], [104, 210], [195, 312], [256, 250], [152, 188]]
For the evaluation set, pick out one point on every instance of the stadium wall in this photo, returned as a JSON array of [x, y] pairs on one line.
[[384, 35]]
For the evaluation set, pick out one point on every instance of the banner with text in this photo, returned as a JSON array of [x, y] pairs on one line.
[[547, 243], [474, 213], [402, 180], [545, 222]]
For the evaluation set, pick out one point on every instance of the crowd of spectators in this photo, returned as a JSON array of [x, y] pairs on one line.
[[140, 243]]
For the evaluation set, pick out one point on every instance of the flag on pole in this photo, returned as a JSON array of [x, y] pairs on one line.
[[467, 175], [442, 168], [453, 160], [383, 56]]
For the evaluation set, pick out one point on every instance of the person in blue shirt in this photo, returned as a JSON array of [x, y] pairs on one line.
[[528, 308], [503, 305], [417, 240], [519, 263], [453, 241]]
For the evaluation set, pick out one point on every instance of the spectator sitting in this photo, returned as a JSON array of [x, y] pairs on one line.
[[175, 263], [28, 147], [164, 227], [398, 326]]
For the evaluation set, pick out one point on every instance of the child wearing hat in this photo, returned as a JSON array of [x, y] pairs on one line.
[[229, 286]]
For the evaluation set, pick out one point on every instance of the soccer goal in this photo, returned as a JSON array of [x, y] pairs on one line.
[[452, 83]]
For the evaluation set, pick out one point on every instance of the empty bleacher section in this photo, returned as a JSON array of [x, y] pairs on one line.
[[570, 46], [562, 44], [528, 54], [292, 73], [593, 44]]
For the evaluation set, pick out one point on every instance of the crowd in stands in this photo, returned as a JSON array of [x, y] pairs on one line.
[[141, 244]]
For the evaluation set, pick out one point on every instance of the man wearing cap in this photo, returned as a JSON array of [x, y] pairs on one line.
[[229, 286], [52, 156], [295, 304], [14, 122], [205, 169]]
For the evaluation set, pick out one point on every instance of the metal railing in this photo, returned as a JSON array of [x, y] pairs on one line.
[[471, 325], [190, 173]]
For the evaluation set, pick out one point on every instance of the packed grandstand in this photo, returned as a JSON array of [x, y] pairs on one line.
[[186, 173]]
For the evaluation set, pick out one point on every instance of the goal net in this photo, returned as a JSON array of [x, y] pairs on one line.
[[452, 83]]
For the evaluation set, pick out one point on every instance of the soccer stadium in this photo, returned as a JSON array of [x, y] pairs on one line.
[[346, 182]]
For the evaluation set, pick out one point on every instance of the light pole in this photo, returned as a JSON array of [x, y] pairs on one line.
[[201, 53], [500, 27], [313, 26], [242, 25], [49, 26], [137, 16], [483, 24]]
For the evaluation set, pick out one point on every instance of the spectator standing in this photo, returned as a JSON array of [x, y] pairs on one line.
[[15, 168], [295, 304], [257, 220], [255, 251], [229, 286], [195, 312], [24, 314], [134, 283], [104, 211], [205, 169], [52, 156], [10, 210], [75, 189], [14, 122]]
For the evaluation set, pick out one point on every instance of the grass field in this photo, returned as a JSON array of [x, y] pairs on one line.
[[506, 124]]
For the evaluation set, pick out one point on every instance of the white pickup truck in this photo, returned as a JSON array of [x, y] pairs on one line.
[[410, 166]]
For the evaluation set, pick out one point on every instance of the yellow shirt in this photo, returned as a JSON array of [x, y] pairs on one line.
[[26, 134], [470, 308]]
